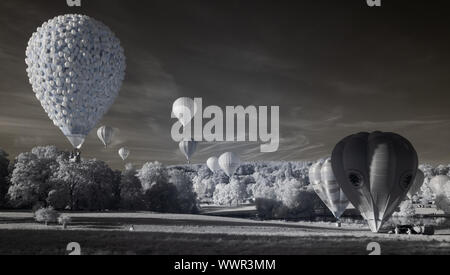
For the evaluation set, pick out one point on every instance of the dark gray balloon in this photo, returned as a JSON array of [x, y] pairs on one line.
[[375, 171]]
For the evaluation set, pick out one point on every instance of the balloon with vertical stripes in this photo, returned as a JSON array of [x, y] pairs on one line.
[[188, 148], [326, 186], [105, 134]]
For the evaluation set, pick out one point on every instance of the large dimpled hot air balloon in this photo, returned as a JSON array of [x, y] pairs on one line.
[[188, 148], [418, 182], [440, 185], [213, 164], [376, 171], [105, 134], [229, 162], [76, 67], [326, 187]]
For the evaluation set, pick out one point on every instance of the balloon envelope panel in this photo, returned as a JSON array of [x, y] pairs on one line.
[[376, 171], [76, 67]]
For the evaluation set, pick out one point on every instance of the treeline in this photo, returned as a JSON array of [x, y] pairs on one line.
[[45, 177]]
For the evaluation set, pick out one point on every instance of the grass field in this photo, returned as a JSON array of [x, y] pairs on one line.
[[164, 234]]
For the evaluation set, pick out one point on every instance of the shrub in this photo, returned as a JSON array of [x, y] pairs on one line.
[[443, 203], [46, 215], [406, 209], [64, 220]]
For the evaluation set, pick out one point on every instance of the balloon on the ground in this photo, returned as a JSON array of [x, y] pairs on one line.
[[124, 153], [440, 185], [213, 164], [418, 182], [376, 171], [325, 185], [229, 162], [105, 134], [184, 109], [188, 148], [76, 67]]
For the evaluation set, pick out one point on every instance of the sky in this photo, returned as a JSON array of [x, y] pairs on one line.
[[335, 68]]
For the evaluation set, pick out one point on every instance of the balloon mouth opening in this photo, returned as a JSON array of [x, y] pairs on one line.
[[76, 140], [375, 225]]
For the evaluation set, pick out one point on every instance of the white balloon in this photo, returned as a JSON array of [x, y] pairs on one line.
[[76, 67], [184, 109], [124, 153], [105, 134], [213, 164], [229, 162]]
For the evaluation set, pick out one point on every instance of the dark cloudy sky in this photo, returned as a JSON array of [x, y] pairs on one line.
[[334, 68]]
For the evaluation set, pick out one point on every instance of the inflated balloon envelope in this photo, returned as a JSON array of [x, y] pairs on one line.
[[188, 148], [327, 188], [76, 66], [375, 171]]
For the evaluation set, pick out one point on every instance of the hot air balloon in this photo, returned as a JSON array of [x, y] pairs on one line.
[[184, 109], [440, 185], [76, 67], [376, 171], [188, 148], [327, 188], [213, 164], [105, 134], [229, 162], [124, 153], [418, 182]]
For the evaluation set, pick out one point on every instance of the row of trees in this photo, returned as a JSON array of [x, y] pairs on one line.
[[45, 177]]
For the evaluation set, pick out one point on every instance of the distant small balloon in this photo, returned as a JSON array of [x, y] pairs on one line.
[[105, 134], [124, 153], [184, 109], [188, 148], [213, 164], [229, 162]]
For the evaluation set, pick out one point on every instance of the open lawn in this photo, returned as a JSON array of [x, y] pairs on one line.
[[174, 234]]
